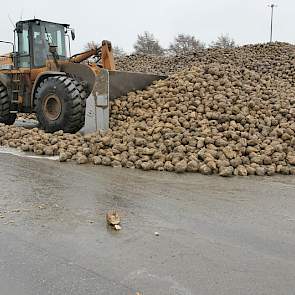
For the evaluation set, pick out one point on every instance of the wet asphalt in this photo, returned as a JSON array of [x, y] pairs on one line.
[[216, 236]]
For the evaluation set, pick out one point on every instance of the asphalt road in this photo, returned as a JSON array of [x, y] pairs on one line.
[[216, 236]]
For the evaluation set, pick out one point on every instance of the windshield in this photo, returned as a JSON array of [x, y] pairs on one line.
[[55, 35], [44, 35]]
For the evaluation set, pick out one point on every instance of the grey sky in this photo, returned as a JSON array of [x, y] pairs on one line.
[[247, 21]]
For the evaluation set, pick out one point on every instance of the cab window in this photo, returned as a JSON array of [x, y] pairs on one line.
[[24, 47], [55, 35], [44, 35], [40, 47]]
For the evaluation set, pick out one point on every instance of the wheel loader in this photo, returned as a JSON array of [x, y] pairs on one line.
[[69, 93]]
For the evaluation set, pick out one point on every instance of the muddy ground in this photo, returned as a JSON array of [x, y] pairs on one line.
[[216, 236]]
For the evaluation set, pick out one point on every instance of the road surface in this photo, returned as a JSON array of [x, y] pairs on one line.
[[216, 236]]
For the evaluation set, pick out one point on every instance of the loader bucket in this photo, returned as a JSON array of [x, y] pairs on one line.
[[123, 82], [110, 85]]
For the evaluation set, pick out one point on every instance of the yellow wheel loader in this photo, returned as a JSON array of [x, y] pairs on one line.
[[66, 93]]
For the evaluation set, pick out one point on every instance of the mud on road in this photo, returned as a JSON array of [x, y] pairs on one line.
[[216, 236]]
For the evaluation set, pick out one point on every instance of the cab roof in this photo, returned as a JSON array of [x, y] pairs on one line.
[[36, 20]]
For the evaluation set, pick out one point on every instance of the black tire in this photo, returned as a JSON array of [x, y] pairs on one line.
[[60, 104], [83, 93], [5, 116]]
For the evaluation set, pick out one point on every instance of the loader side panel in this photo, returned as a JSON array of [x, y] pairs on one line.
[[97, 105]]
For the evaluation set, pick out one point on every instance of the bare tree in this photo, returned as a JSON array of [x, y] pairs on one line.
[[118, 51], [91, 45], [223, 41], [185, 43], [148, 44]]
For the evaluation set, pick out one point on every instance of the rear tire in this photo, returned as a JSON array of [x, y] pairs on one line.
[[5, 116], [60, 104]]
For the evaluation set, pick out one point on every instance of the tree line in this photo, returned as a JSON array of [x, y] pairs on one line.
[[146, 44]]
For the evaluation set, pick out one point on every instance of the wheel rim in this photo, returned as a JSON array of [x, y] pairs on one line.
[[52, 107]]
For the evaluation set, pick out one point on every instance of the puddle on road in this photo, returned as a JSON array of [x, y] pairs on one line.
[[19, 153]]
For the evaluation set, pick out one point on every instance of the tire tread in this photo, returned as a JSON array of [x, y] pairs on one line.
[[74, 102]]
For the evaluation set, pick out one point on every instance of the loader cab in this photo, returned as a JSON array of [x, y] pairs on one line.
[[34, 38]]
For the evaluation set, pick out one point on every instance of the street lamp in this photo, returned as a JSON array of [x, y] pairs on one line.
[[272, 6]]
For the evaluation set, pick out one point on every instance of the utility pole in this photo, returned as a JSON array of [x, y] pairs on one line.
[[272, 6]]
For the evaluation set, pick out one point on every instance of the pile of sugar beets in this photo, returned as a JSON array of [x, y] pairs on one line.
[[277, 59], [210, 117]]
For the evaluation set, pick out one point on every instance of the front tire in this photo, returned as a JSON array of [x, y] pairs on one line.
[[5, 116], [60, 104]]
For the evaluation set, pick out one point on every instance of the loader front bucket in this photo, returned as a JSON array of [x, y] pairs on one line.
[[110, 85], [122, 83]]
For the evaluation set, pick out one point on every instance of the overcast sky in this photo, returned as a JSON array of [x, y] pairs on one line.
[[247, 21]]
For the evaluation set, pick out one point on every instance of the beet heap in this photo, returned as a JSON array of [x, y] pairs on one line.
[[212, 117]]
